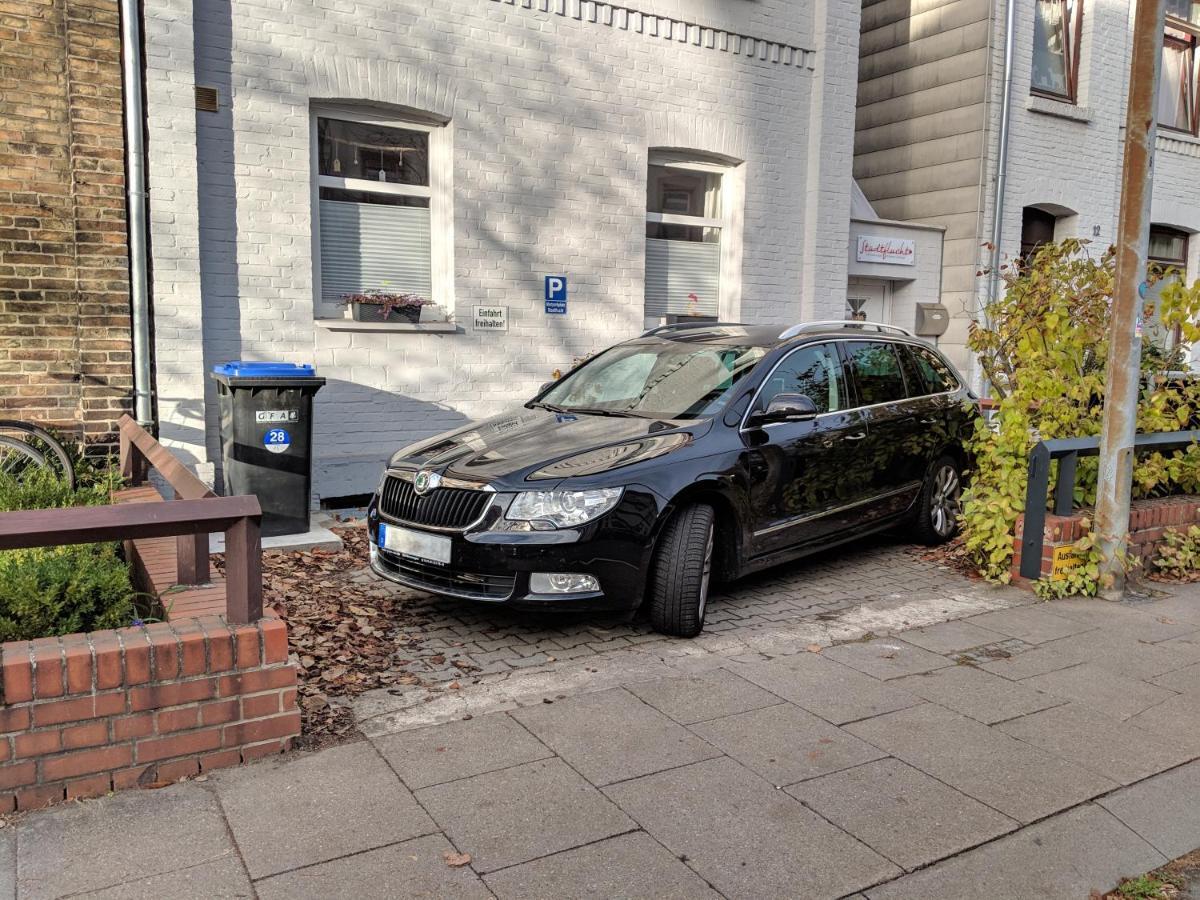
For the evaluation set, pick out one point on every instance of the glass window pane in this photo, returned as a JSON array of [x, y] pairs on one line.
[[1174, 87], [373, 152], [1188, 10], [815, 372], [1050, 36], [937, 375], [1168, 246], [373, 197], [681, 192], [876, 372]]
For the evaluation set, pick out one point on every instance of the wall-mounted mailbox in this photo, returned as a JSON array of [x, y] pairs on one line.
[[932, 319]]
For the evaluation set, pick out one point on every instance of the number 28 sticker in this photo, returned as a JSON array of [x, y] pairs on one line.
[[277, 440]]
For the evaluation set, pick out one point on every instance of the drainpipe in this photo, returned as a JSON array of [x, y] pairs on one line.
[[1002, 157], [135, 205]]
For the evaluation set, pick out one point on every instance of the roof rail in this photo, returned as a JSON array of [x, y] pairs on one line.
[[827, 324], [680, 326]]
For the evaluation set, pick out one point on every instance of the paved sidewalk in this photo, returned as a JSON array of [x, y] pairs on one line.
[[1031, 751]]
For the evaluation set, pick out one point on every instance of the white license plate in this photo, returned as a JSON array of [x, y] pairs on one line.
[[418, 544]]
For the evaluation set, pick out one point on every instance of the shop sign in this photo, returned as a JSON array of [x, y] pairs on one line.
[[490, 318], [888, 250]]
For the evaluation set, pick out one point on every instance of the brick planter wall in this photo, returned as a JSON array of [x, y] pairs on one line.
[[86, 714], [1149, 520]]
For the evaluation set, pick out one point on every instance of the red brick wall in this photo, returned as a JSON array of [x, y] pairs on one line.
[[64, 301], [1149, 520], [86, 714]]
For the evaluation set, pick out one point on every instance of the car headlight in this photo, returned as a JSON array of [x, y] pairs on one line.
[[563, 509]]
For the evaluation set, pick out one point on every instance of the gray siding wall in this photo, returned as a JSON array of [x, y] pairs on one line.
[[920, 126]]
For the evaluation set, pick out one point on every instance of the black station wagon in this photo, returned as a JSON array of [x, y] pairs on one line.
[[690, 453]]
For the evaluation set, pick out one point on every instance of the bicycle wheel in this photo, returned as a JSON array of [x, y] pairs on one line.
[[17, 458], [42, 443]]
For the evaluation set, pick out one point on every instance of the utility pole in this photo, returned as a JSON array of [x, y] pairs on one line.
[[1124, 345]]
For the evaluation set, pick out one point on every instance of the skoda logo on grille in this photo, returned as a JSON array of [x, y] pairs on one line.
[[426, 481]]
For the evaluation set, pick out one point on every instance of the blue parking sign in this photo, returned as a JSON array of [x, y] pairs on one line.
[[556, 295]]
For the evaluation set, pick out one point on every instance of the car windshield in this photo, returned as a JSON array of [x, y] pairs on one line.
[[668, 380]]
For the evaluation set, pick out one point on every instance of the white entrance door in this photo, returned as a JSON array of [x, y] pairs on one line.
[[867, 301]]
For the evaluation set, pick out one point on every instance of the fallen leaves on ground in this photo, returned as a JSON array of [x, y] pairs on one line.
[[348, 633], [456, 860], [952, 555]]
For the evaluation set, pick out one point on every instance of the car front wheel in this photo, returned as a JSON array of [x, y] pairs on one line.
[[939, 505], [681, 572]]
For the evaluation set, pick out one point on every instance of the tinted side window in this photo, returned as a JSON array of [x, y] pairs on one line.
[[815, 372], [917, 385], [937, 374], [876, 371]]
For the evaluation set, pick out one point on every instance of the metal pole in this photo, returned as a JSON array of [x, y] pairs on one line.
[[135, 205], [1124, 345]]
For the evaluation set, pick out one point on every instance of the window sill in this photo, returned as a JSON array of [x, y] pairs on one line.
[[1166, 137], [419, 327], [1061, 109]]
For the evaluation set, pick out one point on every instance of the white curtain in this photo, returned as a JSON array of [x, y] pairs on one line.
[[1172, 105], [1049, 57]]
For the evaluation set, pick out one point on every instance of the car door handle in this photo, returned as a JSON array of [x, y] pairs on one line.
[[855, 437]]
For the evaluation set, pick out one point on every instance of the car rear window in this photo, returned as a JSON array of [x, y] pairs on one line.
[[876, 369], [936, 374]]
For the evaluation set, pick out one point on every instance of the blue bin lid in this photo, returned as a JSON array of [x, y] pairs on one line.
[[264, 370]]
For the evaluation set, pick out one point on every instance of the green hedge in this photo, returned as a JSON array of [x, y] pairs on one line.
[[49, 591]]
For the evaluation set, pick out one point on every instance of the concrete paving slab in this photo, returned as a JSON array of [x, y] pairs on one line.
[[700, 697], [1110, 650], [611, 735], [1108, 692], [514, 815], [427, 756], [985, 697], [952, 637], [1179, 608], [1098, 742], [1140, 622], [835, 692], [902, 813], [1162, 809], [627, 867], [1020, 781], [137, 834], [1176, 720], [8, 864], [1184, 681], [785, 744], [301, 810], [1186, 646], [1067, 856], [886, 658], [222, 879], [1031, 624], [411, 869], [746, 838]]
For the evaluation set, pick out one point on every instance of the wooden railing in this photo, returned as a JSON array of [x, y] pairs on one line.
[[190, 518]]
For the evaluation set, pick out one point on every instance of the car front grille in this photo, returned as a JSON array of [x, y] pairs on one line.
[[443, 507], [441, 580]]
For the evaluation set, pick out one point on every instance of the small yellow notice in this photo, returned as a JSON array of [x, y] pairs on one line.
[[1064, 562]]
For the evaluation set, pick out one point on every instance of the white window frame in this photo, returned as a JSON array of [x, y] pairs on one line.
[[439, 192], [729, 223]]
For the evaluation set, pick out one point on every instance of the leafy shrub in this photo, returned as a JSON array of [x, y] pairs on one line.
[[1179, 554], [1043, 346], [48, 591]]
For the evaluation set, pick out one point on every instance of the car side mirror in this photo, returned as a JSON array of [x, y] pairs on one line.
[[787, 408]]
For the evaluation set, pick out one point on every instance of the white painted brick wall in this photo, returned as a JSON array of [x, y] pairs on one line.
[[552, 113]]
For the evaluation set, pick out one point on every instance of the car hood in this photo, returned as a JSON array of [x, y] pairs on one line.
[[542, 446]]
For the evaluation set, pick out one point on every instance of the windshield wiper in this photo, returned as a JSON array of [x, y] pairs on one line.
[[552, 407], [596, 411]]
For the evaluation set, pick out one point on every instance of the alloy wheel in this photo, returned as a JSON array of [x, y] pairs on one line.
[[706, 575], [944, 505]]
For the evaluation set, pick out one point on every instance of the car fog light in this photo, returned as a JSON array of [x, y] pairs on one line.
[[562, 583]]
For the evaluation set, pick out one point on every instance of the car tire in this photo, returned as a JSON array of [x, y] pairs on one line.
[[681, 572], [939, 504]]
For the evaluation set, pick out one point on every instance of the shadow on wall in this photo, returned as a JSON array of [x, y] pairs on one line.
[[357, 428]]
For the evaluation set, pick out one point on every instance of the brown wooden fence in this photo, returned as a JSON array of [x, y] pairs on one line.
[[190, 518]]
